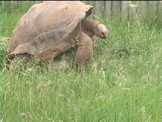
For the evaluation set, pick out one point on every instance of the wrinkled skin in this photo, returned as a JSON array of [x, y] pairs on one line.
[[85, 48]]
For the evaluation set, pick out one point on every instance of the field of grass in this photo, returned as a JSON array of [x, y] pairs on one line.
[[123, 82]]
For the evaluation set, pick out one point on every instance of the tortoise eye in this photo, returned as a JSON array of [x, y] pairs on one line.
[[103, 33]]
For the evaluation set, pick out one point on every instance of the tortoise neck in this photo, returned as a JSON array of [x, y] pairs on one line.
[[90, 25]]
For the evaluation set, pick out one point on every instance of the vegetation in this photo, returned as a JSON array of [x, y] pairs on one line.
[[123, 82], [134, 2]]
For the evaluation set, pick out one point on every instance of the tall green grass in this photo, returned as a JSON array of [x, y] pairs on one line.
[[123, 82]]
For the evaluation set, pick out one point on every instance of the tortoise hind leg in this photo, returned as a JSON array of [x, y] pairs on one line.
[[85, 49]]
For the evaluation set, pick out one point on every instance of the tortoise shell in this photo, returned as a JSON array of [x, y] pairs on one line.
[[48, 28]]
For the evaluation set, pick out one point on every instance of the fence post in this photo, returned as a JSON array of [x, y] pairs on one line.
[[152, 10], [107, 11], [159, 12], [143, 10], [116, 13], [132, 12], [2, 3], [125, 10], [99, 8]]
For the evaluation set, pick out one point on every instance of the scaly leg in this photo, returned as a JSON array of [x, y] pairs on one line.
[[95, 42], [85, 49]]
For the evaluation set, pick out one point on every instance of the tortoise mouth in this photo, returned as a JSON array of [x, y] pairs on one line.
[[104, 37]]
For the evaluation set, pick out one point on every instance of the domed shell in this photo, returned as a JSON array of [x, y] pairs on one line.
[[48, 28]]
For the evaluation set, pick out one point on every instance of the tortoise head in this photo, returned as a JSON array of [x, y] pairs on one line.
[[101, 31]]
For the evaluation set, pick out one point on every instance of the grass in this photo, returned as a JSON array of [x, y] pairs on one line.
[[123, 82], [134, 2]]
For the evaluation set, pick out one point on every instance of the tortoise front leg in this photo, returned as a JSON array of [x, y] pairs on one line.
[[68, 55], [95, 42], [84, 50]]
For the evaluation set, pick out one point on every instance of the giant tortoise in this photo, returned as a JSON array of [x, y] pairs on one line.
[[51, 28]]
